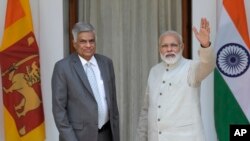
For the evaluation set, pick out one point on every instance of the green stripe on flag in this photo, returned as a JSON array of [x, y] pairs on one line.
[[227, 110]]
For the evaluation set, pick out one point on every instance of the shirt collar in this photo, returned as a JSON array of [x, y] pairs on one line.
[[92, 61]]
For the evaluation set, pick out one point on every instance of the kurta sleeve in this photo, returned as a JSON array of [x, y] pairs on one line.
[[200, 69], [142, 129]]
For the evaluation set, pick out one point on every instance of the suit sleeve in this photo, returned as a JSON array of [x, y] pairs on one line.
[[142, 129], [115, 106], [59, 103], [115, 122]]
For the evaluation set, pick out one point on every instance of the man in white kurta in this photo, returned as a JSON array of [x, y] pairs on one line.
[[171, 111]]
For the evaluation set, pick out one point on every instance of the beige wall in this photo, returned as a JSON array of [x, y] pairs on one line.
[[206, 8]]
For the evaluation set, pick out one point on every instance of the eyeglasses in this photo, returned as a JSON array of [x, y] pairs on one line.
[[172, 45]]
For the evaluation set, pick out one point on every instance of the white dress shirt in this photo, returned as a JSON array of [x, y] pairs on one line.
[[100, 84]]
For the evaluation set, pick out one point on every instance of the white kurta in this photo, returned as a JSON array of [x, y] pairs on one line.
[[172, 104]]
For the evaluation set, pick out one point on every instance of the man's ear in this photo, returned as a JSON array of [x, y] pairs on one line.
[[182, 46], [74, 43], [159, 48]]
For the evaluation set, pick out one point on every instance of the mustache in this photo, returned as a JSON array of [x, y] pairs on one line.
[[170, 55]]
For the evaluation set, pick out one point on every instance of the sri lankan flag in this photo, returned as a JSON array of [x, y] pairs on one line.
[[19, 60], [232, 75]]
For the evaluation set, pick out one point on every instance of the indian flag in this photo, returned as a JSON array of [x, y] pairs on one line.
[[20, 73], [232, 74]]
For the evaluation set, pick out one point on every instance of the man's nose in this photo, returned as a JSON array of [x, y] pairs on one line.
[[88, 44], [169, 48]]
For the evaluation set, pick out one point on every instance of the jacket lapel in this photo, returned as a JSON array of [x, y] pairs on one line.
[[80, 71]]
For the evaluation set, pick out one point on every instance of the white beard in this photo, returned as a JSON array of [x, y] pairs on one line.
[[171, 58]]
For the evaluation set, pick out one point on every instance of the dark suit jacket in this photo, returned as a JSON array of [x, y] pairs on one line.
[[74, 106]]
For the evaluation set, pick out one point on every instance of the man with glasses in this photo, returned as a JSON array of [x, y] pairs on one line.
[[171, 110]]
